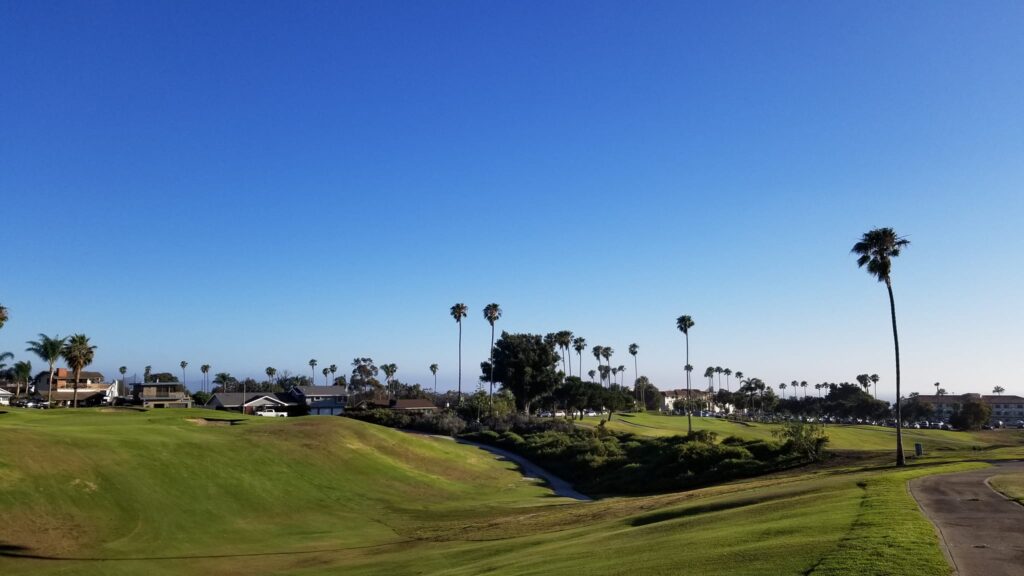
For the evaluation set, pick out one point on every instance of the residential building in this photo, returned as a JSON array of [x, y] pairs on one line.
[[5, 397], [413, 405], [252, 402], [321, 400], [92, 389], [162, 395], [1005, 408]]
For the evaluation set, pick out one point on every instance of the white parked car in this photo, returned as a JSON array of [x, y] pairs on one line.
[[560, 413], [271, 413]]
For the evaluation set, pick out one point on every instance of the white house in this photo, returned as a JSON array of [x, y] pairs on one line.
[[5, 397]]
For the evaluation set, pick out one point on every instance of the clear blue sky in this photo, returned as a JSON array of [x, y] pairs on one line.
[[256, 184]]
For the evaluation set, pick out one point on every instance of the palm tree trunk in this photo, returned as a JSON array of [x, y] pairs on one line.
[[580, 354], [460, 362], [49, 393], [75, 394], [490, 398], [900, 461], [636, 376], [689, 420]]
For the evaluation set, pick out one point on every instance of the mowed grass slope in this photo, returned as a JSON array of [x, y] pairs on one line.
[[841, 436], [93, 492], [1011, 485]]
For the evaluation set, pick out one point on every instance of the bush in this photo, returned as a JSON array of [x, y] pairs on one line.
[[446, 423]]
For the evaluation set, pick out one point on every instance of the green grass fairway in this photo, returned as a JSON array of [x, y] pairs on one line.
[[841, 437], [161, 492], [1011, 485]]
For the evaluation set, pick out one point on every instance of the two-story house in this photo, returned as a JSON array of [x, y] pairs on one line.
[[162, 395]]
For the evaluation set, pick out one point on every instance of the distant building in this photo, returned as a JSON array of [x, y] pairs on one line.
[[413, 405], [162, 395], [1008, 408], [252, 402], [321, 400], [92, 389], [5, 397]]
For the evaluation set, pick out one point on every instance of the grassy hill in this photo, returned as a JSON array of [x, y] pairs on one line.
[[841, 437], [166, 492]]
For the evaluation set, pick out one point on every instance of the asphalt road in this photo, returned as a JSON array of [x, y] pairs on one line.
[[982, 532]]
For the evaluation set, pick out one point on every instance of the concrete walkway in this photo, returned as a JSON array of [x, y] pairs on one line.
[[529, 469], [981, 531]]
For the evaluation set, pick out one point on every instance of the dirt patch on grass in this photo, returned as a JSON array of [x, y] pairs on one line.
[[213, 421]]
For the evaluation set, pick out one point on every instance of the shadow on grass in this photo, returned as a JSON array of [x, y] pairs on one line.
[[666, 515], [23, 552]]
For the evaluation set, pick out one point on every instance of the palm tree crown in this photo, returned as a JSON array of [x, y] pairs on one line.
[[876, 250], [48, 350], [78, 352]]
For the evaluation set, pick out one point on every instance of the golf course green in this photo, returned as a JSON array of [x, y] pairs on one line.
[[841, 436], [110, 491]]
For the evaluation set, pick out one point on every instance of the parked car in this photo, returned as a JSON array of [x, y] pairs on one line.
[[271, 413], [590, 413]]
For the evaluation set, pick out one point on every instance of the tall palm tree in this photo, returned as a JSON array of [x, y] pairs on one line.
[[622, 375], [563, 338], [874, 381], [334, 369], [183, 366], [937, 384], [389, 373], [205, 369], [684, 324], [818, 388], [596, 351], [48, 350], [998, 390], [492, 312], [727, 372], [433, 370], [876, 249], [270, 372], [124, 385], [224, 379], [606, 353], [633, 351], [718, 372], [22, 374], [710, 375], [803, 384], [325, 372], [579, 344], [782, 387], [592, 374], [794, 384], [458, 312], [312, 370], [78, 352]]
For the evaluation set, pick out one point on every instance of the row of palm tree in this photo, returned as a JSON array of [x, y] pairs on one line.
[[76, 350], [458, 311]]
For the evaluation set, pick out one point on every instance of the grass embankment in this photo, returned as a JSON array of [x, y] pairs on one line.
[[841, 436], [93, 492], [1011, 486]]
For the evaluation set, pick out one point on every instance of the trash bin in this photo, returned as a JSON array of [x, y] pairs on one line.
[[918, 449]]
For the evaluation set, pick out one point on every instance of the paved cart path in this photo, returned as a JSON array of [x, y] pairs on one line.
[[981, 531], [530, 470]]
